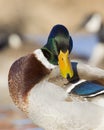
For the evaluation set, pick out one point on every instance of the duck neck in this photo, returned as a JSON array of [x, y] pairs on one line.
[[40, 56]]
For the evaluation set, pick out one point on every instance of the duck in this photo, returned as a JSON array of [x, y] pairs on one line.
[[55, 92], [10, 38], [93, 24], [97, 59]]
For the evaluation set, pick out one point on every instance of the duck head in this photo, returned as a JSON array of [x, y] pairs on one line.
[[58, 48]]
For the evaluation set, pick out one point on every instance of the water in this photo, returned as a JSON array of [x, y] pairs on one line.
[[84, 44]]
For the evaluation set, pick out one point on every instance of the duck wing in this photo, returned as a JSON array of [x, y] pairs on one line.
[[87, 89]]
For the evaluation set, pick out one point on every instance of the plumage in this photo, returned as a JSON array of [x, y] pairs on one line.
[[85, 89], [46, 103]]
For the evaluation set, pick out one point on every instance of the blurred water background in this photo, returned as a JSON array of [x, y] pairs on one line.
[[24, 26]]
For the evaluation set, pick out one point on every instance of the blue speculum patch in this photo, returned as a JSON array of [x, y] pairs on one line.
[[87, 89]]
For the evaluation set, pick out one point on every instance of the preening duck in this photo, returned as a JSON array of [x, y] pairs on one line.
[[49, 105]]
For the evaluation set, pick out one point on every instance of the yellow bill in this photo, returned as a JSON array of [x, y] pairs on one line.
[[65, 64]]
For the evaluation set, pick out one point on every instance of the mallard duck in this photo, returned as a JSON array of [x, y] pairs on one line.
[[97, 57], [10, 38], [93, 23], [52, 106]]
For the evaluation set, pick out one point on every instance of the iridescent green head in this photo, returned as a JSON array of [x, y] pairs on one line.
[[58, 41]]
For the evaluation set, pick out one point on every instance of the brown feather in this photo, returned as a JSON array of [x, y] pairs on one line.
[[23, 75]]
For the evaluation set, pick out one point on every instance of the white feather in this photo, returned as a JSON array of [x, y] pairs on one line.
[[38, 53], [48, 109]]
